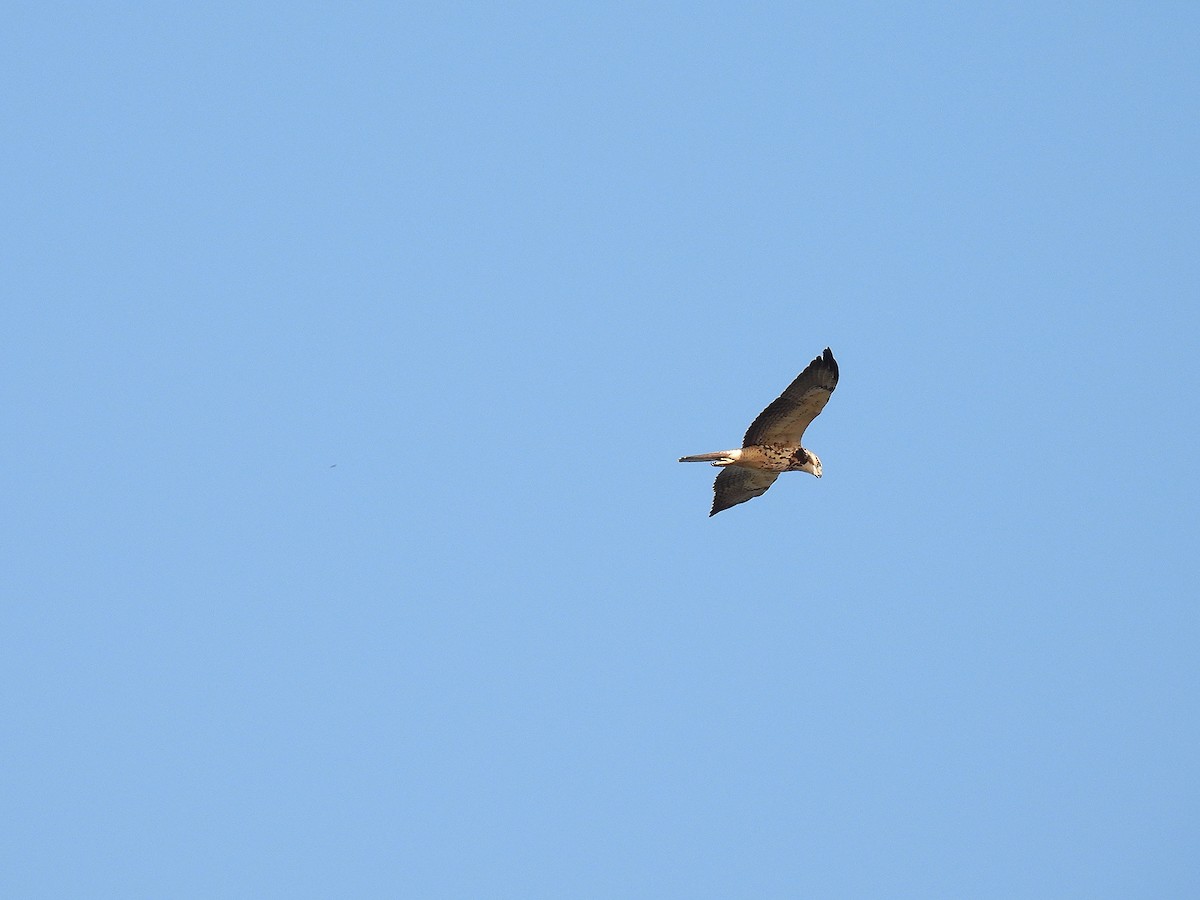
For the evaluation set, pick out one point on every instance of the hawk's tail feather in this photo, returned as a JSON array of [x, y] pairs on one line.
[[709, 457]]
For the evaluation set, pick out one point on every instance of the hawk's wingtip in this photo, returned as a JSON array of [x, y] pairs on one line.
[[827, 358]]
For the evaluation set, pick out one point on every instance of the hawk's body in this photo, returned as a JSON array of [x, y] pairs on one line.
[[772, 443]]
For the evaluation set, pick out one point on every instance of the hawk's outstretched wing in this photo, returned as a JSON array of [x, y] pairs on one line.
[[784, 421], [737, 485]]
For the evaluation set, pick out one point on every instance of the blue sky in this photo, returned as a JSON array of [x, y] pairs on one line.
[[348, 352]]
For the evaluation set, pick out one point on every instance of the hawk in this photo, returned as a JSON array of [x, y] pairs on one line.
[[772, 444]]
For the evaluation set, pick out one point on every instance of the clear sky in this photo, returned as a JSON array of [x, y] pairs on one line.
[[348, 350]]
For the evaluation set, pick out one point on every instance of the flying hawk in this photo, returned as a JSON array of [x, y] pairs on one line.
[[772, 445]]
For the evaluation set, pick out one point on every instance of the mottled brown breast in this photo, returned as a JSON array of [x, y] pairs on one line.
[[771, 457]]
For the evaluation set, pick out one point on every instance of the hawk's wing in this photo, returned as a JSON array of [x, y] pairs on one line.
[[784, 421], [737, 485]]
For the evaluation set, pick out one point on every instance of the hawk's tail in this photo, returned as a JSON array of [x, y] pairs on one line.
[[720, 456]]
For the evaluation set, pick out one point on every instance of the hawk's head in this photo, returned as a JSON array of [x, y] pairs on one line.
[[805, 461], [814, 464]]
